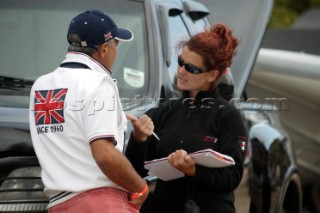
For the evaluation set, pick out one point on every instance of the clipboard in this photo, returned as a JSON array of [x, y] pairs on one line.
[[162, 169]]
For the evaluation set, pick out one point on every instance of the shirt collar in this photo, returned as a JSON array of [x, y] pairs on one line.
[[87, 60]]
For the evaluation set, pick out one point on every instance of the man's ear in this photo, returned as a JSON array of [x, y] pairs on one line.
[[103, 50]]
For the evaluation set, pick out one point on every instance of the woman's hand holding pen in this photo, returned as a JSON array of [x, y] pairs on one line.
[[142, 127], [182, 161]]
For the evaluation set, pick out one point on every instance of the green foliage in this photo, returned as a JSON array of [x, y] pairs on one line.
[[285, 12]]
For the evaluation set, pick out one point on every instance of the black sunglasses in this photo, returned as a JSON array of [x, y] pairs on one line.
[[190, 68]]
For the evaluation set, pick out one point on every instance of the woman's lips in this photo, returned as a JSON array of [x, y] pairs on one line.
[[181, 80]]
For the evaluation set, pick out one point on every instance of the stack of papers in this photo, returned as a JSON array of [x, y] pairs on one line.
[[161, 168]]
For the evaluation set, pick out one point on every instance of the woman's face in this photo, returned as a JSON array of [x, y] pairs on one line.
[[194, 82]]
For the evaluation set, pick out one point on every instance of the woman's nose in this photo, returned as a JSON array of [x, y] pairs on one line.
[[181, 70]]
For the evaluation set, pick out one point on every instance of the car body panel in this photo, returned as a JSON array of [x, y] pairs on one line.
[[152, 59], [294, 77]]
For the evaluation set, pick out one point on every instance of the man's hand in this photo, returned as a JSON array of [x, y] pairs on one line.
[[142, 127], [182, 161]]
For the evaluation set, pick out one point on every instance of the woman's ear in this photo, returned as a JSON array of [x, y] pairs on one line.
[[213, 75]]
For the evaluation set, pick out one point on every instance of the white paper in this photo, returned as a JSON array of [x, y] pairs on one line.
[[162, 169]]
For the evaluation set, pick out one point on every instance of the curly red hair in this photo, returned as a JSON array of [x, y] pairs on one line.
[[217, 46]]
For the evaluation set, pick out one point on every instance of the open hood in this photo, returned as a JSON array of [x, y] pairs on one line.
[[249, 19]]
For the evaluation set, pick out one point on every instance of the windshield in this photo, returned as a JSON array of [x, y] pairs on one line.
[[33, 35]]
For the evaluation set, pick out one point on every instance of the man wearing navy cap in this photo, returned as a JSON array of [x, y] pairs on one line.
[[77, 125]]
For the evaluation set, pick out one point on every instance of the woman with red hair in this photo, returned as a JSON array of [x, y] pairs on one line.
[[200, 119]]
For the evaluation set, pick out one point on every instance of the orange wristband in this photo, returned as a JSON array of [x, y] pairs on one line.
[[139, 194]]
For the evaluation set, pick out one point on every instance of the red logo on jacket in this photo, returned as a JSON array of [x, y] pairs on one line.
[[206, 138]]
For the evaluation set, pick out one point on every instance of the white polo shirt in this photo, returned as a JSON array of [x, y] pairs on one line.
[[69, 108]]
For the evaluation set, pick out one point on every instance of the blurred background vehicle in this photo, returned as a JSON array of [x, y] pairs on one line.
[[34, 40], [294, 78]]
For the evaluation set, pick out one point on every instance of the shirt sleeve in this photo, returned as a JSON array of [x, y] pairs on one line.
[[100, 113]]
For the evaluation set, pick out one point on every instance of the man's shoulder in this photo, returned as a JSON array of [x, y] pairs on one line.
[[42, 79], [68, 77]]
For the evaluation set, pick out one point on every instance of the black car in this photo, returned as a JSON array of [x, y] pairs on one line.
[[33, 42]]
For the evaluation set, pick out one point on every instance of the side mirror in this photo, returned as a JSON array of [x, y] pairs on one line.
[[195, 10]]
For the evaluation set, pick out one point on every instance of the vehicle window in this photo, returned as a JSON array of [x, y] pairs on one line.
[[34, 41], [177, 32], [131, 68]]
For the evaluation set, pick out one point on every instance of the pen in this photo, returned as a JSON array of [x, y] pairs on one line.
[[156, 136], [133, 119]]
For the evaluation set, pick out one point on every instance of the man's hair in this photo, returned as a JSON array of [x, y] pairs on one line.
[[74, 38]]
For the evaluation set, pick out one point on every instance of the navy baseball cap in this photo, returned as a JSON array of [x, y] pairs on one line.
[[95, 27]]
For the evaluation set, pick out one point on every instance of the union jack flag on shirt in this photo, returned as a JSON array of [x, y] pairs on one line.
[[48, 106]]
